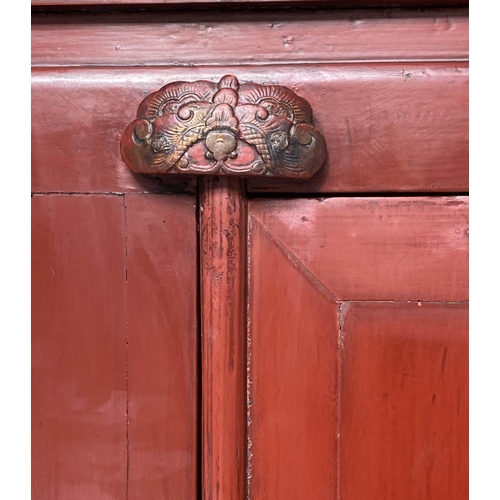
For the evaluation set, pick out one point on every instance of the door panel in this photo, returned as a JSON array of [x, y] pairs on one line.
[[79, 431], [292, 377], [339, 290], [162, 346], [376, 249], [404, 399], [114, 347]]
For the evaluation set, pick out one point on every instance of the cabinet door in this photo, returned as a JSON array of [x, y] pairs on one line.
[[358, 348], [357, 307], [114, 347]]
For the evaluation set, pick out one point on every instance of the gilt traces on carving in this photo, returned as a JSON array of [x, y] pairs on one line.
[[207, 128]]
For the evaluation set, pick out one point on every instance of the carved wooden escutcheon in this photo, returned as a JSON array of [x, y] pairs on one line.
[[239, 129]]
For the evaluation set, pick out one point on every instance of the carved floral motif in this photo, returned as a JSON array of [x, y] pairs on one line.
[[207, 128]]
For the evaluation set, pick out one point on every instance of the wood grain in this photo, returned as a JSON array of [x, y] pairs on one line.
[[162, 346], [221, 38], [292, 377], [222, 274], [376, 249], [404, 400], [79, 447], [394, 127]]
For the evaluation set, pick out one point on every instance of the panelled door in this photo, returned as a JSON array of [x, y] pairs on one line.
[[224, 337], [115, 346], [358, 348]]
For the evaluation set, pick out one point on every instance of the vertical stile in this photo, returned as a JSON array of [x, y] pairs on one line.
[[223, 214]]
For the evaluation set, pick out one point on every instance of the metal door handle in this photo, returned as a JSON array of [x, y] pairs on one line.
[[230, 128]]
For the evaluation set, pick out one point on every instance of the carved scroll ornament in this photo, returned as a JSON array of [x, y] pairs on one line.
[[239, 129]]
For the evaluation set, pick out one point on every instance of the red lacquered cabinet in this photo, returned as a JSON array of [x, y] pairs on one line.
[[258, 337]]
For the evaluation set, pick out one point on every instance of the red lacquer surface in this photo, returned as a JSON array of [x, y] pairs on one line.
[[260, 37], [370, 293], [114, 347], [223, 213], [379, 248], [162, 346], [404, 400], [382, 124], [292, 377], [79, 444]]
